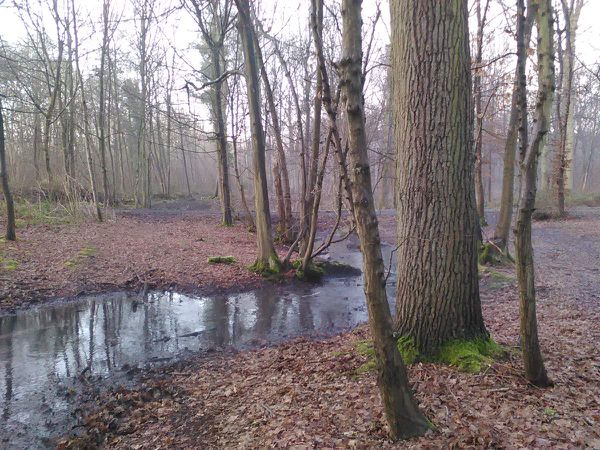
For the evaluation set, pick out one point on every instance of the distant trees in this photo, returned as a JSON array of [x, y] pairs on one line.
[[438, 283]]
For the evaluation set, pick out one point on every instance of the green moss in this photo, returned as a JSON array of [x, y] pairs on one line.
[[550, 412], [408, 349], [470, 355], [369, 366], [221, 260], [365, 348], [313, 272], [269, 269]]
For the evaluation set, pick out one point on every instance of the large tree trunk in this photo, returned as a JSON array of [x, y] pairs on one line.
[[438, 285], [401, 410], [532, 356], [102, 102], [502, 230], [8, 199], [267, 257]]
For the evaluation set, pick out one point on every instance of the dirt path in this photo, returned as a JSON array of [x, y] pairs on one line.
[[314, 394]]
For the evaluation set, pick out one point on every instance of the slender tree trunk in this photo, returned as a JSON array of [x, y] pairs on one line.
[[330, 108], [401, 410], [286, 220], [185, 170], [502, 229], [479, 192], [219, 119], [267, 257], [438, 284], [102, 101], [8, 199], [532, 356], [240, 183], [315, 144]]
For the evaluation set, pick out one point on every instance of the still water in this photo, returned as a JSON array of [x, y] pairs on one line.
[[45, 351]]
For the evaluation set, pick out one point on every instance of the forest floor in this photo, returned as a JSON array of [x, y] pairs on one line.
[[315, 393], [166, 247]]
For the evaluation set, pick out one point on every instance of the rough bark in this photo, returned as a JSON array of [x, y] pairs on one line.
[[401, 410], [8, 199], [438, 285], [502, 229], [266, 256], [535, 371]]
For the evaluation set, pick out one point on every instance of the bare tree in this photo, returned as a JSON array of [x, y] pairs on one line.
[[503, 224], [529, 155], [8, 199], [402, 413], [267, 258], [214, 19]]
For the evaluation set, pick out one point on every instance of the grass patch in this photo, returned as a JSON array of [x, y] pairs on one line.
[[85, 252], [42, 212], [221, 260], [408, 349], [470, 356], [8, 264]]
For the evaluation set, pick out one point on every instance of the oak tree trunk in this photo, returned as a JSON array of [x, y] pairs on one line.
[[438, 284]]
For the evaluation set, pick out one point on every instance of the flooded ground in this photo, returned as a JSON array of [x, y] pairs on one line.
[[49, 354]]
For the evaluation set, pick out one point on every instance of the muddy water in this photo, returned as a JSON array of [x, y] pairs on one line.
[[47, 354]]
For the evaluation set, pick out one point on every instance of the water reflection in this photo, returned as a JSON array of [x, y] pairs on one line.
[[41, 349]]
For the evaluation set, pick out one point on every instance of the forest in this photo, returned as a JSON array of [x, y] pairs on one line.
[[313, 224]]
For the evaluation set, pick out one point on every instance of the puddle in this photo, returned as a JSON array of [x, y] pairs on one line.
[[44, 351]]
